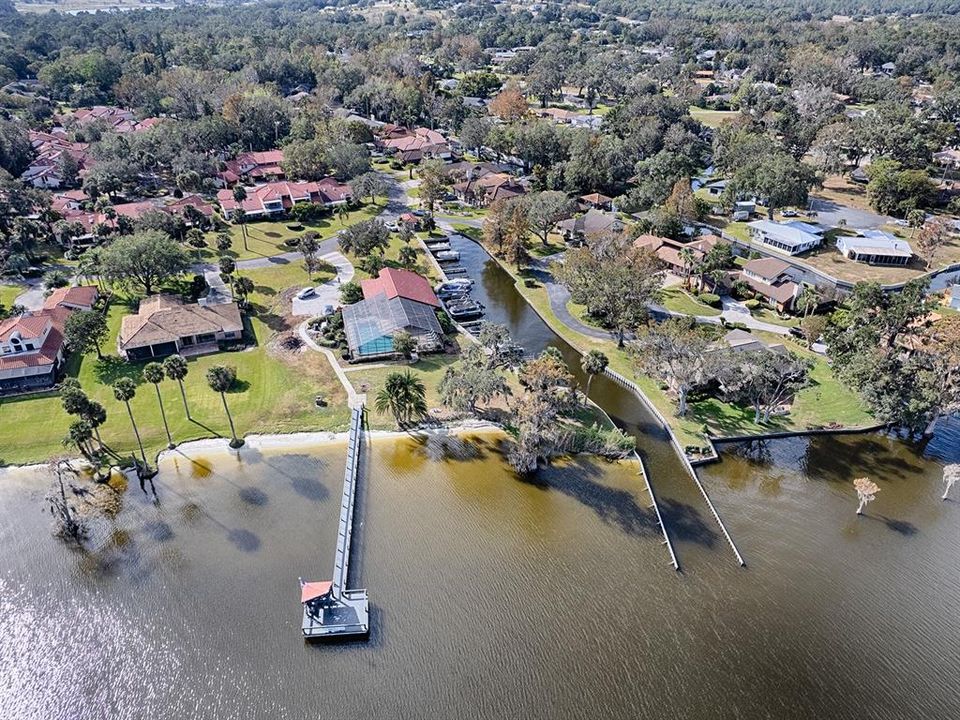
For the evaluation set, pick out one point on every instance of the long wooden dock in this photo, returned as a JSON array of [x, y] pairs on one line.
[[329, 608]]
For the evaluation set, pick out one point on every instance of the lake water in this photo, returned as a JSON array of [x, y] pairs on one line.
[[493, 597]]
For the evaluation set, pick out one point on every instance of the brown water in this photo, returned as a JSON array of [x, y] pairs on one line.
[[494, 597]]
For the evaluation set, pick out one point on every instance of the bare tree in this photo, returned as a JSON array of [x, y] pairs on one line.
[[866, 491], [67, 522], [951, 474]]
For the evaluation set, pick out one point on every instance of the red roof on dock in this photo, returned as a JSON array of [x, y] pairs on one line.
[[313, 590]]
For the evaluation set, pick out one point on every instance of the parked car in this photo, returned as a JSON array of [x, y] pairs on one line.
[[740, 216], [306, 293], [328, 310], [790, 213]]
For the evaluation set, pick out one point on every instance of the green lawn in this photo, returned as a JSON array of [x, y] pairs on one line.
[[268, 238], [824, 401], [677, 299], [273, 393], [712, 118], [8, 294], [770, 316]]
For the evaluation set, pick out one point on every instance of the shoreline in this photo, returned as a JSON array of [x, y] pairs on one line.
[[280, 441]]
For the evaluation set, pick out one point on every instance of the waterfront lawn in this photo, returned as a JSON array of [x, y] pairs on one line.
[[825, 401], [274, 393]]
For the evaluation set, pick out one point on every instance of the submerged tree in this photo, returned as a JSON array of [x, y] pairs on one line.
[[866, 492], [951, 474], [67, 522]]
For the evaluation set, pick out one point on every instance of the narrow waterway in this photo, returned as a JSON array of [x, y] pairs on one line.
[[689, 523], [494, 597]]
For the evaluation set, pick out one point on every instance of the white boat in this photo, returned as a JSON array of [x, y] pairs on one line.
[[448, 255]]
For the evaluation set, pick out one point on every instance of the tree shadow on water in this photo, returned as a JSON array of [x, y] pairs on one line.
[[612, 505], [902, 527], [244, 540], [253, 496]]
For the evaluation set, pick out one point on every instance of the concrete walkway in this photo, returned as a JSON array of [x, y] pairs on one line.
[[354, 399]]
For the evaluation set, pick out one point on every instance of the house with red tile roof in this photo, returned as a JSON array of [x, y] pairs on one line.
[[393, 283], [415, 145], [46, 169], [258, 166], [277, 198], [31, 350], [78, 297]]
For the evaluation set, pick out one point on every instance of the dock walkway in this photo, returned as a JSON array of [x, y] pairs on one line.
[[335, 610]]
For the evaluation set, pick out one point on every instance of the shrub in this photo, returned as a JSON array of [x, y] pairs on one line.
[[752, 304], [710, 299]]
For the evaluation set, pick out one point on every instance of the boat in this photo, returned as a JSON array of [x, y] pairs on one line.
[[455, 270], [447, 256], [458, 283], [465, 310], [438, 248]]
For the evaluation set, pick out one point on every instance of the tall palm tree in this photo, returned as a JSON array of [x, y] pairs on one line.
[[176, 368], [808, 299], [81, 435], [239, 195], [153, 373], [125, 390], [220, 378], [95, 415], [593, 363], [404, 396], [689, 260]]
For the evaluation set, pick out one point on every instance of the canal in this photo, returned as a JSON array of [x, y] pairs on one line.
[[493, 597]]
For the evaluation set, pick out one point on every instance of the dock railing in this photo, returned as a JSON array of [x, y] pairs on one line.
[[345, 530]]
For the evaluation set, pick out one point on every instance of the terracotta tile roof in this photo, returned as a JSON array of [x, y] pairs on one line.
[[163, 318], [35, 324], [400, 283], [80, 296]]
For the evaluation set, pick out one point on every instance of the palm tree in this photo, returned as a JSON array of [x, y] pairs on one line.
[[95, 415], [866, 492], [239, 195], [809, 299], [125, 390], [81, 435], [220, 378], [593, 363], [689, 260], [404, 396], [153, 373], [176, 368]]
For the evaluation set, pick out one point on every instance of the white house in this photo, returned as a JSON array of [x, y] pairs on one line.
[[792, 237], [875, 247]]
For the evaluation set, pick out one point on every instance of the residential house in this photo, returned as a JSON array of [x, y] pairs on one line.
[[715, 188], [875, 247], [484, 183], [397, 300], [591, 224], [164, 325], [32, 345], [257, 166], [770, 280], [671, 252], [46, 169], [412, 146], [117, 119], [597, 201], [948, 157], [76, 297], [792, 237], [277, 198]]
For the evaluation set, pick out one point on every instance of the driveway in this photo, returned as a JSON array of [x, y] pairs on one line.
[[33, 298], [329, 292], [830, 212]]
